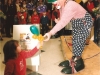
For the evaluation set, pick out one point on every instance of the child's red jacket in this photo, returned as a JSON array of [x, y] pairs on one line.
[[22, 17], [90, 6], [35, 19], [18, 66]]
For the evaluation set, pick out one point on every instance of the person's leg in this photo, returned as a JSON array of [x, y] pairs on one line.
[[98, 31], [95, 30], [1, 35], [11, 24], [79, 38], [80, 34], [43, 29], [7, 27], [46, 28]]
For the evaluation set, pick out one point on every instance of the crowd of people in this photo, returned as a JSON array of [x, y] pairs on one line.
[[40, 12], [18, 12], [90, 6]]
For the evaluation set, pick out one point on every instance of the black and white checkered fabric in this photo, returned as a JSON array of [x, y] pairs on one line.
[[80, 31]]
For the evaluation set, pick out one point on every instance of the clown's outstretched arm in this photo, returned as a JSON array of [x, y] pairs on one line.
[[67, 15]]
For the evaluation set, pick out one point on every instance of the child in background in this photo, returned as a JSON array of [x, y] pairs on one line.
[[29, 19], [44, 20], [90, 6], [15, 58], [16, 20], [22, 15], [35, 18], [30, 7], [41, 8]]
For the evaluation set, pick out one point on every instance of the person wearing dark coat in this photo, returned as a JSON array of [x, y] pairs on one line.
[[44, 20], [11, 11]]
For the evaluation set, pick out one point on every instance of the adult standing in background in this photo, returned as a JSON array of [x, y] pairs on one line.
[[11, 11], [81, 24], [44, 21]]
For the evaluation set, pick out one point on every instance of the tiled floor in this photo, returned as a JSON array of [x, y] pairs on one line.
[[50, 58]]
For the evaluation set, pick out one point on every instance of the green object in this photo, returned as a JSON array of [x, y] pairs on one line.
[[34, 30], [2, 15], [51, 1], [96, 10]]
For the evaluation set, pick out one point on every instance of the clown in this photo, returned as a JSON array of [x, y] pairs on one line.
[[71, 11]]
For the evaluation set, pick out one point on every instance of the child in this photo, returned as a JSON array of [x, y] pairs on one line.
[[41, 7], [15, 58], [44, 20], [30, 6], [22, 15], [35, 18]]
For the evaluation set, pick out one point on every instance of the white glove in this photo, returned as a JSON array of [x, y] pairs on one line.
[[47, 36]]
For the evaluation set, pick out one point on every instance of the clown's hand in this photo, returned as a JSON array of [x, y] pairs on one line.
[[56, 20], [47, 36]]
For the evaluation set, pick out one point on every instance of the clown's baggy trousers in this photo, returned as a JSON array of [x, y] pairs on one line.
[[80, 30]]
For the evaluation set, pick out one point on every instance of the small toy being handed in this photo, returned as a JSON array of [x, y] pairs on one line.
[[36, 34], [40, 38]]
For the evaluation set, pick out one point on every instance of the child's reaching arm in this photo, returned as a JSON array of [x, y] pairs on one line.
[[30, 53]]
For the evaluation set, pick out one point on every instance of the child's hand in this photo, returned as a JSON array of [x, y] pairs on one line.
[[22, 17], [39, 45]]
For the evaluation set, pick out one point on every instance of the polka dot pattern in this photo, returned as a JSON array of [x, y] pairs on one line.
[[80, 33]]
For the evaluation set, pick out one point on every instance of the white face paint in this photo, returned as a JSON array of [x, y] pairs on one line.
[[58, 7]]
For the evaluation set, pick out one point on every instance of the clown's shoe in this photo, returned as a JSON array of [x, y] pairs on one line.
[[65, 63], [75, 66]]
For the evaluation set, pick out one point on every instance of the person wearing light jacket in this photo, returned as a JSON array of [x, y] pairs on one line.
[[71, 11]]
